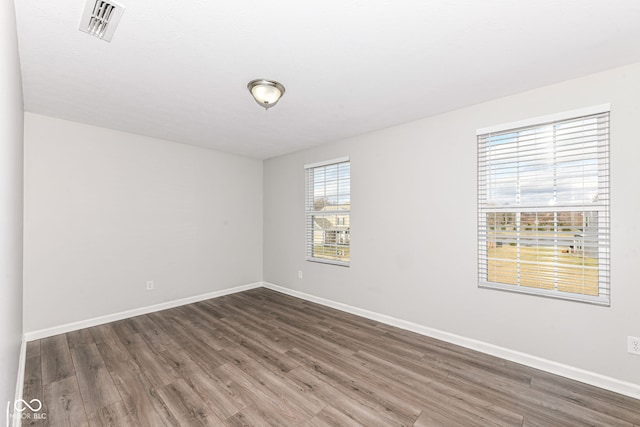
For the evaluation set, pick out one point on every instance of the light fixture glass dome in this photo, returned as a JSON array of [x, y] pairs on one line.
[[267, 93]]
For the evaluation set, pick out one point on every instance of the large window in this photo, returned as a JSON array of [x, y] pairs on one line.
[[328, 200], [543, 206]]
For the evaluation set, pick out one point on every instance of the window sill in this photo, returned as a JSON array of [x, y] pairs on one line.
[[329, 261]]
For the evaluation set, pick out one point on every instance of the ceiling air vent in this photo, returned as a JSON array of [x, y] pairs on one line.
[[100, 18]]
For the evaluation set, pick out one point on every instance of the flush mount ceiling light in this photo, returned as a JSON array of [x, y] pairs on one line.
[[100, 18], [267, 93]]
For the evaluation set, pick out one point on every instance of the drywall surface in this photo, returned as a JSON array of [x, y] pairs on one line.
[[11, 168], [107, 211], [414, 233]]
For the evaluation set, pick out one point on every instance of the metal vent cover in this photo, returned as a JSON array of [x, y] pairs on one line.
[[100, 18]]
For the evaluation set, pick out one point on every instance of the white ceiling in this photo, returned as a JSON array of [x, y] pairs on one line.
[[178, 70]]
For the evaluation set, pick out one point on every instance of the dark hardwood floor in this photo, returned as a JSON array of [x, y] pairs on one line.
[[263, 358]]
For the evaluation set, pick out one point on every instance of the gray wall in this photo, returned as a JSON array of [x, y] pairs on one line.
[[105, 211], [11, 161], [413, 237]]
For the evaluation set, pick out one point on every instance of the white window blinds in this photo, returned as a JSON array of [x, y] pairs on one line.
[[328, 211], [543, 207]]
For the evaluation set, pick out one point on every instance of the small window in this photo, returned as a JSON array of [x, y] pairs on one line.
[[543, 206], [328, 210]]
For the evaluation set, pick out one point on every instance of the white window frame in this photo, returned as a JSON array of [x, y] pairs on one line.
[[343, 239], [600, 206]]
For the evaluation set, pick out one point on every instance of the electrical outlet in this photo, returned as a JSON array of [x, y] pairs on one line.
[[299, 274], [633, 345], [149, 285]]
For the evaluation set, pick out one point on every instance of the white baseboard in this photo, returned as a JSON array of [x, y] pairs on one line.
[[22, 361], [74, 326], [592, 378]]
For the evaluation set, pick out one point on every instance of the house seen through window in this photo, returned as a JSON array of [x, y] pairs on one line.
[[328, 211]]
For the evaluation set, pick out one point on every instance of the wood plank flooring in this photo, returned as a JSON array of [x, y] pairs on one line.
[[261, 358]]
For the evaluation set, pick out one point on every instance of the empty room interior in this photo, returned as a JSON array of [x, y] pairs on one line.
[[178, 182]]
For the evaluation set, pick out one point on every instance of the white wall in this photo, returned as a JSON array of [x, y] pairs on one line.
[[414, 230], [105, 211], [11, 161]]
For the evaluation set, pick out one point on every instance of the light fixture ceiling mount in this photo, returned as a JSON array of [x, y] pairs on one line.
[[267, 93]]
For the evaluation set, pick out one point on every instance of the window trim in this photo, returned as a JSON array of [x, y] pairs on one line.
[[603, 252], [565, 115], [309, 212]]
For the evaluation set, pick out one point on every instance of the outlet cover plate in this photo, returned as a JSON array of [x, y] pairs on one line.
[[633, 345]]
